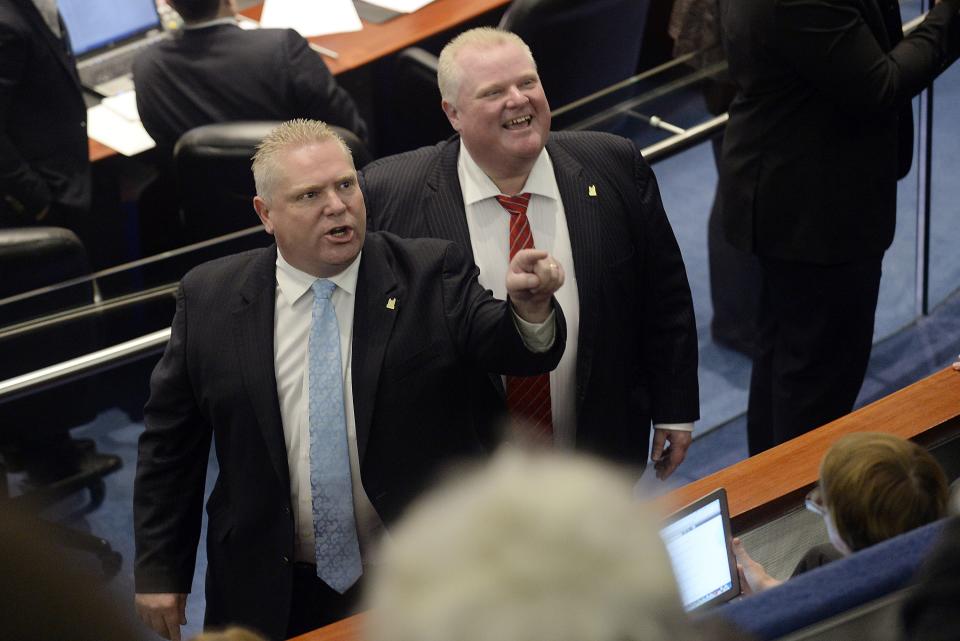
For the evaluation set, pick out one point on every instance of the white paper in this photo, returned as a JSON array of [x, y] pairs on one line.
[[311, 18], [124, 104], [402, 6], [117, 131]]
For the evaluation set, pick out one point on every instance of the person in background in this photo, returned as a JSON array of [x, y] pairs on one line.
[[873, 486], [44, 157], [819, 133], [544, 546], [212, 70], [506, 180]]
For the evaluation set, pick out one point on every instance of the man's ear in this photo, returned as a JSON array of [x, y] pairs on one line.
[[263, 211], [452, 114]]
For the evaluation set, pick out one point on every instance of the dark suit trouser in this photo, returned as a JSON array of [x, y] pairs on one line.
[[315, 604], [816, 331]]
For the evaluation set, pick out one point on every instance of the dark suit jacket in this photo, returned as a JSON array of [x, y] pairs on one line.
[[637, 345], [216, 379], [222, 73], [44, 158], [821, 128]]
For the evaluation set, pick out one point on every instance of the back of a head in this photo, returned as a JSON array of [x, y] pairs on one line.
[[877, 486], [196, 10], [531, 547]]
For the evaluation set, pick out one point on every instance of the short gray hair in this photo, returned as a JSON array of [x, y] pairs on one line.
[[290, 134], [449, 73], [533, 547]]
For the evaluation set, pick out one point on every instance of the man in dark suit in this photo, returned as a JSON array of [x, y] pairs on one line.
[[819, 133], [593, 202], [413, 324], [214, 71], [44, 162]]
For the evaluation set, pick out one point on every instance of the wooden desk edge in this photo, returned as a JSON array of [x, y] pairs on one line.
[[761, 485], [924, 410]]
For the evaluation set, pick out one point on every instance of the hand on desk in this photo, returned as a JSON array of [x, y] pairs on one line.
[[753, 576], [163, 613]]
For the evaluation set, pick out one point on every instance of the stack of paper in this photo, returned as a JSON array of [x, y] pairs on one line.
[[400, 6], [116, 123], [311, 18]]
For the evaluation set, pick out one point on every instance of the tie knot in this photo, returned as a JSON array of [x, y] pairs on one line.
[[323, 288], [516, 205]]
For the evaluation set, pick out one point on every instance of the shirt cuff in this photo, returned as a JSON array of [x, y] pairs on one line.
[[536, 337], [679, 427]]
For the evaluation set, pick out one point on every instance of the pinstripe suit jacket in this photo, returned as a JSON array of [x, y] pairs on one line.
[[637, 346], [410, 366]]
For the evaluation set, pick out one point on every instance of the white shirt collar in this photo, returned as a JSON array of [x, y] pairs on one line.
[[294, 283], [477, 186], [210, 23]]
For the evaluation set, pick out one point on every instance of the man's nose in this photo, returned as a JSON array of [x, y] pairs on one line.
[[333, 205], [514, 95]]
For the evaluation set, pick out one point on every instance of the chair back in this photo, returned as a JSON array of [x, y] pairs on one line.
[[580, 47]]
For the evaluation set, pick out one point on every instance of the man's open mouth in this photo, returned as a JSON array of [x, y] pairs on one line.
[[518, 123]]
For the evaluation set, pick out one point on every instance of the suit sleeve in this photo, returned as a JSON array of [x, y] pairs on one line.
[[483, 326], [171, 471], [316, 91], [669, 330], [830, 44], [23, 189]]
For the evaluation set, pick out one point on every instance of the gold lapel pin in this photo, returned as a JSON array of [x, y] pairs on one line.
[[592, 191], [391, 303]]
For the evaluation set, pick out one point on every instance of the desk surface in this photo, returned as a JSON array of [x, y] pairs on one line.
[[375, 41], [925, 410]]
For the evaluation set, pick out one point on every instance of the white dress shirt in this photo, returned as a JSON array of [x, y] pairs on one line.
[[489, 226], [293, 315], [294, 305]]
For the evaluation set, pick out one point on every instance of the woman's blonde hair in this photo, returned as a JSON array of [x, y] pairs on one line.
[[876, 486]]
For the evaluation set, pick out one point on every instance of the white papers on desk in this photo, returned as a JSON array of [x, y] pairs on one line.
[[311, 18], [116, 123], [400, 6]]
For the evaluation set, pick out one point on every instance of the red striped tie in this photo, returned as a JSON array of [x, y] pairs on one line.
[[528, 397]]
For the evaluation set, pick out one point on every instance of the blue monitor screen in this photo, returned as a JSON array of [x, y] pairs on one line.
[[95, 23]]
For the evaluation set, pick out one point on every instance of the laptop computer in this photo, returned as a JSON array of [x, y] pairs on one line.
[[698, 541], [107, 35]]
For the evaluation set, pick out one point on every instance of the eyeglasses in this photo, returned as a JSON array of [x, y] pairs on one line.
[[814, 501]]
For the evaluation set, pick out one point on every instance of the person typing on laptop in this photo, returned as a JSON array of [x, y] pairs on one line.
[[212, 70], [873, 486]]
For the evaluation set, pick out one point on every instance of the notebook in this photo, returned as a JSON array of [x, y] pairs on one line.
[[698, 538], [107, 35]]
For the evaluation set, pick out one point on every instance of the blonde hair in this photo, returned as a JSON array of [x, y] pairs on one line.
[[449, 73], [876, 486], [293, 133], [534, 547], [233, 633]]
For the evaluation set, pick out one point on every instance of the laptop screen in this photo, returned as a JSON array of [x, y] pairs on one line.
[[698, 543], [94, 24]]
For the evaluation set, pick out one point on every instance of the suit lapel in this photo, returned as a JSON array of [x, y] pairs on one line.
[[372, 327], [60, 47], [583, 214], [253, 325], [442, 202]]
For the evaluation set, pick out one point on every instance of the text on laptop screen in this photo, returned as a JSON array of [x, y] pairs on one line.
[[697, 547], [96, 23]]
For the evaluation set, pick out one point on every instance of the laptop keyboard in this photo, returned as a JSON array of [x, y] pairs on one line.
[[104, 68]]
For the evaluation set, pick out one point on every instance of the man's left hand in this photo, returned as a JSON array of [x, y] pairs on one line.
[[533, 277], [669, 459]]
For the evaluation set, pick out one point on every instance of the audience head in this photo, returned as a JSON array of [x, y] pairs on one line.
[[875, 486], [531, 547], [47, 593], [492, 96], [308, 197], [234, 633], [201, 10]]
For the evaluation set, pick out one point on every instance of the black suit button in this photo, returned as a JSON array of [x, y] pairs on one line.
[[285, 559], [286, 509]]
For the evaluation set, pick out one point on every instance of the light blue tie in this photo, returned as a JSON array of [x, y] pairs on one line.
[[334, 525]]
